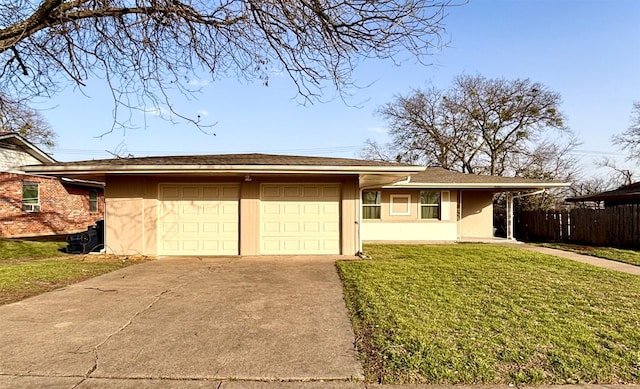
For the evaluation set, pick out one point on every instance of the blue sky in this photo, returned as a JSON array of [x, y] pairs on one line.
[[588, 51]]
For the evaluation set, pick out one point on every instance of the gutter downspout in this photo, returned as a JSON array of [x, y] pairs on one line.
[[510, 198]]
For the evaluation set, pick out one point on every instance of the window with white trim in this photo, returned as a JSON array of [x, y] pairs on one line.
[[429, 205], [400, 205], [93, 200], [30, 196], [371, 204]]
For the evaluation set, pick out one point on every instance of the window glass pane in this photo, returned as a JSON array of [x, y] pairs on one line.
[[371, 197], [430, 198], [93, 201], [371, 212], [430, 212], [29, 193]]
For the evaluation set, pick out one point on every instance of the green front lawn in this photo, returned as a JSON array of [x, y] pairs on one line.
[[487, 314], [631, 257], [29, 268], [13, 251]]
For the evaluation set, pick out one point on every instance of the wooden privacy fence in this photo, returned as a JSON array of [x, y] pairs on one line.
[[617, 226]]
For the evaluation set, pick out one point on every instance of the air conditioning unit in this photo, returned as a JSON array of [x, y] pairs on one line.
[[31, 208]]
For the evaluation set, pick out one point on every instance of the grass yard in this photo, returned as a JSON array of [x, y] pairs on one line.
[[16, 251], [631, 257], [487, 314], [29, 268]]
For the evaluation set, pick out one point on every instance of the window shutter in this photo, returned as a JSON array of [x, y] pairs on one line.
[[445, 207]]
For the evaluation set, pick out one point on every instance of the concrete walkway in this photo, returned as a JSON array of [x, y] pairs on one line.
[[604, 263], [180, 322]]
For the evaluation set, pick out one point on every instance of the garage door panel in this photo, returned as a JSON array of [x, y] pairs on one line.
[[329, 208], [169, 227], [311, 192], [330, 246], [229, 228], [310, 227], [230, 193], [313, 245], [230, 209], [198, 219], [311, 209], [331, 192], [299, 219], [330, 227], [289, 209], [170, 192], [172, 245], [291, 245], [210, 193], [291, 191], [271, 192], [291, 227], [190, 192], [271, 208], [193, 228]]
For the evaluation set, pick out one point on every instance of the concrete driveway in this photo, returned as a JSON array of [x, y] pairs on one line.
[[180, 322]]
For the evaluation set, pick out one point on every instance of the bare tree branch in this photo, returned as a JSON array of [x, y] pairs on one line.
[[148, 48], [19, 118], [483, 126], [629, 140]]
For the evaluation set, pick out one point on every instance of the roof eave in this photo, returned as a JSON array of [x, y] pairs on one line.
[[30, 148], [453, 185], [221, 169]]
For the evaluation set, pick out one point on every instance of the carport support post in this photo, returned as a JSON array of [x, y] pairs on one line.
[[510, 220], [510, 216]]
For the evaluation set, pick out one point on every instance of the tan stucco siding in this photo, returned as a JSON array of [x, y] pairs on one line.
[[400, 221], [250, 218], [393, 206], [477, 214], [408, 231], [132, 206], [125, 217], [349, 209]]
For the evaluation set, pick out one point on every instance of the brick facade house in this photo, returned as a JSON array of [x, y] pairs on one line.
[[32, 205]]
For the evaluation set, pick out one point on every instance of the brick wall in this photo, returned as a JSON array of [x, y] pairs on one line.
[[64, 208]]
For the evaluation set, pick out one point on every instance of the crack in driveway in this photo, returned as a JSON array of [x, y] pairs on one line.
[[201, 272]]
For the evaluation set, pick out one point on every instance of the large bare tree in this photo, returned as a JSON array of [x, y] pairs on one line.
[[629, 140], [480, 125], [147, 49], [19, 118]]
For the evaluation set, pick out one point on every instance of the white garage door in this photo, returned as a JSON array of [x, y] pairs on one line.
[[198, 219], [300, 219]]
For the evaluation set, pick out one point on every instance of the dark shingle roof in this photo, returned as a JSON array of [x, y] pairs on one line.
[[626, 193], [436, 175], [230, 160]]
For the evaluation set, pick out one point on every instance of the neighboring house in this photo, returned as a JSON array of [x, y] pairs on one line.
[[255, 204], [35, 205], [629, 194]]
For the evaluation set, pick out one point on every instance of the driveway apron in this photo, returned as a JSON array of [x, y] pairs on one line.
[[248, 318]]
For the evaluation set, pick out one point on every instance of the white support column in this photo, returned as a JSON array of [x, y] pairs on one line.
[[510, 219], [510, 216]]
